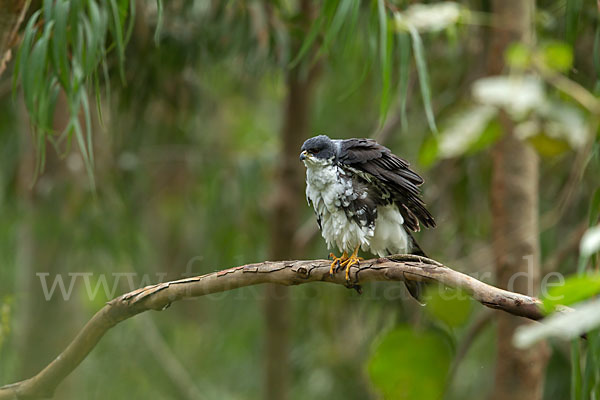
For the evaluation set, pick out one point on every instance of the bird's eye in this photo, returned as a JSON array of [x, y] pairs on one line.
[[313, 151]]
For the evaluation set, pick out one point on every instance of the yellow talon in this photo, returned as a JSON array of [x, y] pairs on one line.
[[350, 261], [337, 261]]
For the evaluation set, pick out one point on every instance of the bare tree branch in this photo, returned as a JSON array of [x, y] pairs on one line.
[[160, 296]]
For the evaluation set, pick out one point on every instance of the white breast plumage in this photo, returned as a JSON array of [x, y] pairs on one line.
[[330, 191]]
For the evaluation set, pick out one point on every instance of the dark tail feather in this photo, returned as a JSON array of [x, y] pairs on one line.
[[415, 288]]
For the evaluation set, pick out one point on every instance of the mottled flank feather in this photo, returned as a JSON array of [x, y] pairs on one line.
[[394, 173]]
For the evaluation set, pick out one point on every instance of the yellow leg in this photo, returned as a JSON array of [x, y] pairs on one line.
[[337, 261], [352, 260]]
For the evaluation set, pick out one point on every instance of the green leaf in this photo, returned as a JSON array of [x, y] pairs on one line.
[[159, 22], [596, 58], [428, 153], [450, 306], [518, 56], [117, 31], [308, 40], [385, 58], [595, 208], [131, 23], [33, 73], [549, 146], [572, 12], [341, 15], [489, 136], [410, 365], [404, 45], [558, 56], [60, 43], [575, 289], [22, 63], [575, 370], [423, 77]]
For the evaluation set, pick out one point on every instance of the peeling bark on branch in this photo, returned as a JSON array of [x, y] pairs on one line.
[[160, 296]]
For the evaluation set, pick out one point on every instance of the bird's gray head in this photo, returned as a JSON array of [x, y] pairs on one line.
[[318, 148]]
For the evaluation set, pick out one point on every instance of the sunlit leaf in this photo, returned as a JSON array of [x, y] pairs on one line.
[[575, 289], [410, 365], [518, 56], [548, 146], [558, 55]]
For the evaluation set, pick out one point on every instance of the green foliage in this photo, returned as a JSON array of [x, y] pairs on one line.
[[5, 319], [65, 43], [575, 290], [424, 84], [406, 364], [451, 306], [558, 55], [518, 56]]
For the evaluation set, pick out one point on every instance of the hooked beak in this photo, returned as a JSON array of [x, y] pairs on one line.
[[303, 155]]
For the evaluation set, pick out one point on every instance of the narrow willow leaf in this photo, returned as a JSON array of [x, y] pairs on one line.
[[575, 370], [341, 15], [590, 370], [25, 49], [97, 93], [594, 212], [308, 41], [106, 80], [352, 19], [385, 59], [88, 127], [60, 42], [596, 57], [117, 31], [83, 149], [159, 21], [131, 23], [423, 77], [92, 48], [358, 82], [404, 45], [572, 12], [48, 8], [33, 78]]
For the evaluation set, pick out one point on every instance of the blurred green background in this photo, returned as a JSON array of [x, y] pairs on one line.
[[188, 153]]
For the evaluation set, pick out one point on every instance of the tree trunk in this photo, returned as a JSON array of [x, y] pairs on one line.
[[288, 201], [519, 373]]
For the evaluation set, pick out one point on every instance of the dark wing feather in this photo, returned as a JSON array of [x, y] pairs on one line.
[[394, 173]]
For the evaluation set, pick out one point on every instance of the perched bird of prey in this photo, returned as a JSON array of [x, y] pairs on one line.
[[365, 198]]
